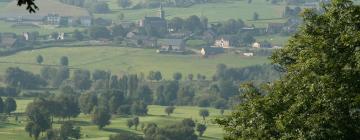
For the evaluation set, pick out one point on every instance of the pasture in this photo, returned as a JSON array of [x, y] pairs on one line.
[[15, 130], [121, 60], [215, 12]]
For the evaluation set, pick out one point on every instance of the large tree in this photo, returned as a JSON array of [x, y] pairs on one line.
[[318, 97], [101, 117]]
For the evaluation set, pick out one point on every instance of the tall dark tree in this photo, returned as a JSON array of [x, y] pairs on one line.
[[81, 79], [101, 117], [169, 110], [2, 105], [204, 113], [136, 122], [69, 131], [78, 35], [177, 76], [9, 105], [39, 59], [124, 3], [39, 121], [87, 102], [200, 128], [64, 61]]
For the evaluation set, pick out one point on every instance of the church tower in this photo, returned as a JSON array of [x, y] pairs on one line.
[[161, 12]]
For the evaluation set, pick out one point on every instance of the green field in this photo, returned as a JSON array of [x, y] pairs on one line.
[[15, 130], [121, 60], [215, 12]]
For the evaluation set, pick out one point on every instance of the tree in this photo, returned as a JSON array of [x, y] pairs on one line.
[[316, 97], [255, 16], [200, 128], [38, 120], [98, 32], [68, 131], [129, 123], [118, 30], [177, 76], [169, 110], [87, 102], [124, 3], [2, 105], [16, 77], [191, 77], [136, 122], [9, 105], [204, 113], [39, 59], [101, 117], [64, 61], [143, 93], [193, 23], [81, 79], [100, 7], [78, 35]]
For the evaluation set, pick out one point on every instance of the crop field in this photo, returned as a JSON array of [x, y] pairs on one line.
[[121, 60], [15, 130]]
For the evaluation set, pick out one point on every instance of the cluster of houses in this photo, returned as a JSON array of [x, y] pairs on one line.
[[175, 43]]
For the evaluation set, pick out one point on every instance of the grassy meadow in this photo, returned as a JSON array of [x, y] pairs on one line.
[[15, 130], [121, 60]]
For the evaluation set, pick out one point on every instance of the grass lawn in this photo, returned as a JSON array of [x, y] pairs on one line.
[[15, 130], [120, 60]]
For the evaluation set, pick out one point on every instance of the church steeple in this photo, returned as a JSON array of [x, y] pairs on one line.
[[161, 12]]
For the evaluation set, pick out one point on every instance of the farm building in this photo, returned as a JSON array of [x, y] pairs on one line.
[[172, 45], [223, 42], [206, 51], [157, 23], [263, 44], [275, 27]]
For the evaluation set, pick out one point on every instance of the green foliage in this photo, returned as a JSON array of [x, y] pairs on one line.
[[81, 79], [204, 113], [16, 77], [99, 32], [101, 117], [316, 98], [129, 123], [39, 120], [180, 131], [177, 76], [169, 110], [87, 102], [144, 94], [9, 105], [77, 35], [136, 122], [200, 128], [124, 3], [68, 131], [2, 105], [39, 59], [64, 61]]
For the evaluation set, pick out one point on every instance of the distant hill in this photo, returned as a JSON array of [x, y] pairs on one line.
[[11, 10]]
